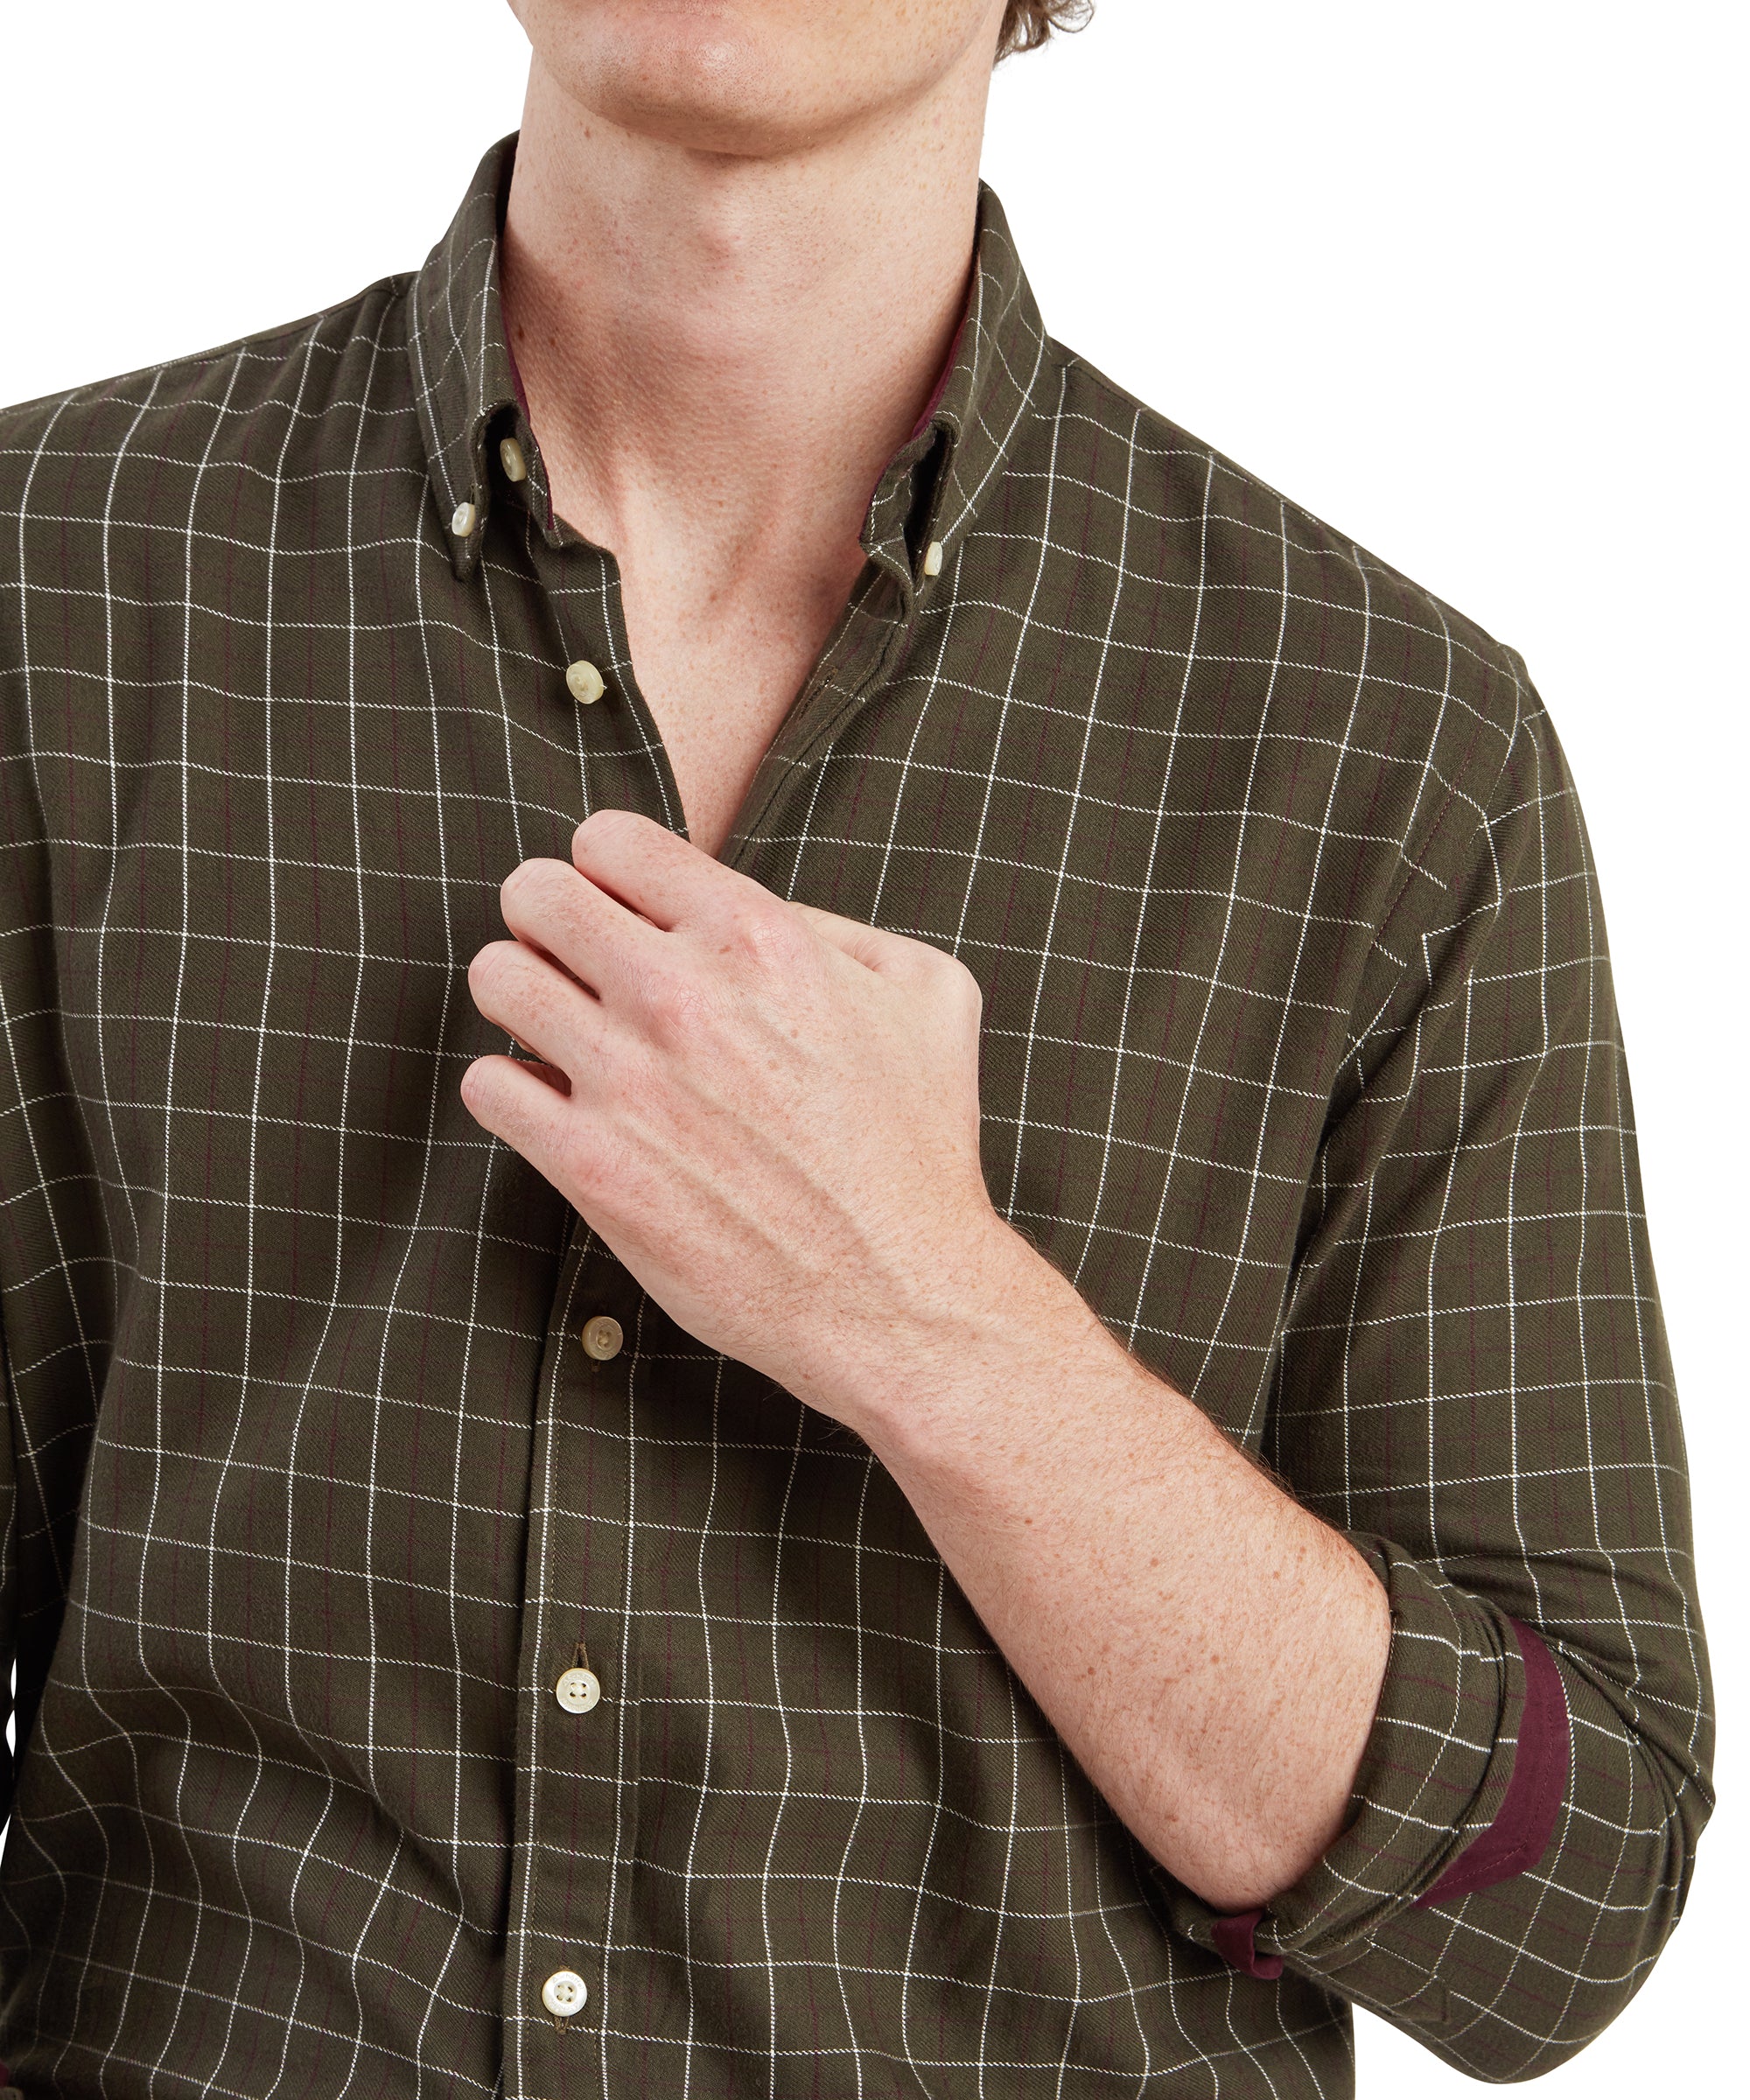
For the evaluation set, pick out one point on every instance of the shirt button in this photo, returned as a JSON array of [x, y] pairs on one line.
[[602, 1337], [585, 683], [512, 459], [563, 1993], [464, 520], [932, 558], [578, 1691]]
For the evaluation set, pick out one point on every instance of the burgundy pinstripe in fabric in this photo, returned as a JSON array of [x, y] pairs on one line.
[[1300, 1056]]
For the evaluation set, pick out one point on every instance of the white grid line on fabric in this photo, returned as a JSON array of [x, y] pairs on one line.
[[540, 761]]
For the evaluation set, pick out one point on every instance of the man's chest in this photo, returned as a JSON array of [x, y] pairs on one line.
[[273, 885]]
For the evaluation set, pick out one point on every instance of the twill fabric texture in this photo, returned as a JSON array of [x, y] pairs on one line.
[[1299, 1057]]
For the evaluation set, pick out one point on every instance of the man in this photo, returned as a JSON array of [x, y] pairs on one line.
[[1026, 1444]]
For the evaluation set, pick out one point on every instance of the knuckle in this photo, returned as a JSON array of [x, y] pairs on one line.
[[957, 983], [584, 1157], [769, 936], [674, 1005], [597, 1158]]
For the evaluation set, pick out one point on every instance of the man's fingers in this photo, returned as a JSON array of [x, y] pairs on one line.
[[514, 1102], [535, 1004], [553, 909], [652, 871], [888, 955], [607, 920]]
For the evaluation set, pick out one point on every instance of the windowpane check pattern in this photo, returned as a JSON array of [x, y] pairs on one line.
[[1300, 1057]]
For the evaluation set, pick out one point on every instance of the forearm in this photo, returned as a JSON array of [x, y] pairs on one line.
[[770, 1116], [1209, 1651], [1215, 1658]]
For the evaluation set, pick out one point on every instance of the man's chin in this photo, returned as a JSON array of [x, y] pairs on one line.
[[708, 87], [752, 82], [726, 126]]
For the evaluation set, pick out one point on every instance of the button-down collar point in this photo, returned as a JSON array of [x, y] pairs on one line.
[[512, 458], [464, 520], [563, 1993], [586, 682]]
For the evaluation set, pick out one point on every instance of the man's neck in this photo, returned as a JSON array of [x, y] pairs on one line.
[[735, 342], [720, 354]]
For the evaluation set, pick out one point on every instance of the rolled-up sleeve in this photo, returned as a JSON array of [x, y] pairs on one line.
[[1473, 1384]]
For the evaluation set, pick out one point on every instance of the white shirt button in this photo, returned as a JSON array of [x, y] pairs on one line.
[[563, 1993], [578, 1691], [585, 681], [464, 520], [602, 1337], [512, 459], [932, 558]]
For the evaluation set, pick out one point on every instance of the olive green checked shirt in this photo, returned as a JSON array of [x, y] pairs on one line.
[[1299, 1057]]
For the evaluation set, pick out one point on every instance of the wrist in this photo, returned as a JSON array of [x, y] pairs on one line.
[[990, 1317]]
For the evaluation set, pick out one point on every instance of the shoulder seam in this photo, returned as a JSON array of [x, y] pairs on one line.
[[383, 293]]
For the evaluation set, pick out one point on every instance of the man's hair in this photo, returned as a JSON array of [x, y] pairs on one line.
[[1028, 23]]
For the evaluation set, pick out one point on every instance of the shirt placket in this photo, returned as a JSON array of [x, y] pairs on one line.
[[575, 1817], [576, 1779]]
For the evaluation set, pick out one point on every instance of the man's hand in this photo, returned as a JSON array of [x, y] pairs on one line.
[[768, 1113], [770, 1116]]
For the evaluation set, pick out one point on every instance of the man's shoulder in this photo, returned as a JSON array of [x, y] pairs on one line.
[[116, 449], [1320, 633]]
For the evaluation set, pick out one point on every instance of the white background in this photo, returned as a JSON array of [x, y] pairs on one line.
[[1467, 281]]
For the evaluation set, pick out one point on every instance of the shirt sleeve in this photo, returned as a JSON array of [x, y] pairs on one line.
[[8, 1594], [57, 1286], [1473, 1384]]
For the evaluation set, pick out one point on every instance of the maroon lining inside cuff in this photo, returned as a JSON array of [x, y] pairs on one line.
[[1517, 1838], [1526, 1820], [1234, 1942]]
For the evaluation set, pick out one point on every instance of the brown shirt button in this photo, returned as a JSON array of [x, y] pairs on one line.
[[602, 1337]]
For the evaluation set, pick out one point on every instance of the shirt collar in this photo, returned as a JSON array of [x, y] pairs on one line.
[[1001, 359], [461, 368], [940, 476]]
